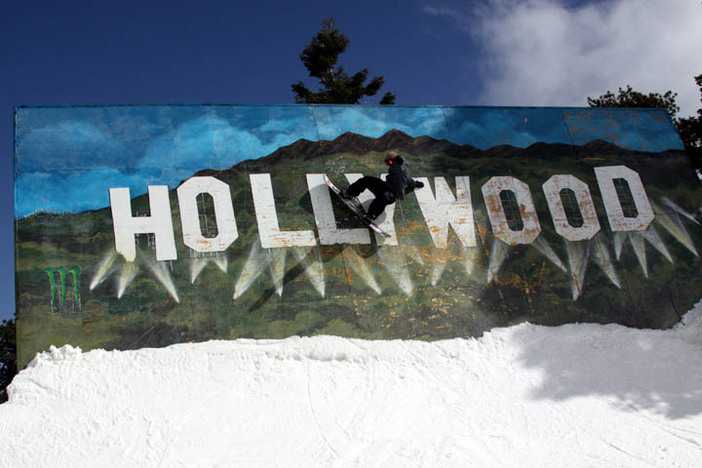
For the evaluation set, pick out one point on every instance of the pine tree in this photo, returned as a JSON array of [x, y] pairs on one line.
[[690, 128], [321, 57], [631, 98], [8, 356]]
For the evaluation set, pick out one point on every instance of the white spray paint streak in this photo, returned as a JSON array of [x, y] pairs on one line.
[[651, 235], [107, 262], [310, 260], [601, 256], [129, 271], [196, 266], [637, 242], [673, 206], [396, 265], [545, 248], [498, 254], [470, 258], [359, 266], [252, 269], [199, 263], [437, 271], [619, 239], [221, 261], [163, 275], [577, 259], [441, 258], [414, 253], [673, 225], [277, 268]]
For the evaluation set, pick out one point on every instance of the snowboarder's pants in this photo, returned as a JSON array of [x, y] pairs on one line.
[[383, 194]]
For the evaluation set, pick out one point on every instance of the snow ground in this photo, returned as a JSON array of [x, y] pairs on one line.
[[525, 396]]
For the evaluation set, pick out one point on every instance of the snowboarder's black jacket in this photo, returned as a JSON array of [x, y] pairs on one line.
[[399, 179]]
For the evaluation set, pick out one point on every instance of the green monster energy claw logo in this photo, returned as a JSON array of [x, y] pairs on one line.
[[59, 289]]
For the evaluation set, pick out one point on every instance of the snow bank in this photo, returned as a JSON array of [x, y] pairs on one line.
[[576, 395]]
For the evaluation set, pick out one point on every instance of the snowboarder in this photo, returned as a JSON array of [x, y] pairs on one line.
[[388, 191]]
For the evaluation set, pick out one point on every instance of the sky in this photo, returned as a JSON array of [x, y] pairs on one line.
[[578, 395], [482, 52]]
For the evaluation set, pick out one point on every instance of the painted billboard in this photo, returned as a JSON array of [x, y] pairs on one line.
[[145, 226]]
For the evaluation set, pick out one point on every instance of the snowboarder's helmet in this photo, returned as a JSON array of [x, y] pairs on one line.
[[390, 157]]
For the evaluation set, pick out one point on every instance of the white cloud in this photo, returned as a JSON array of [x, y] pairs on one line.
[[544, 52]]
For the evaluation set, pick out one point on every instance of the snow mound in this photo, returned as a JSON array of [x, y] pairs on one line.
[[690, 327], [530, 396]]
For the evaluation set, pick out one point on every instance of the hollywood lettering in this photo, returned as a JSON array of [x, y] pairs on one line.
[[440, 208]]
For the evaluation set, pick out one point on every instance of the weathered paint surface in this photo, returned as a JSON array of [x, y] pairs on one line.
[[160, 223], [150, 225], [618, 221], [190, 219], [496, 210], [442, 210], [552, 189]]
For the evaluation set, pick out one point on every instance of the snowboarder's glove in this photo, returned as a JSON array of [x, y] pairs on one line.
[[418, 184]]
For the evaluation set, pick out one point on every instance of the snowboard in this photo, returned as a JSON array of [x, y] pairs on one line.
[[355, 206]]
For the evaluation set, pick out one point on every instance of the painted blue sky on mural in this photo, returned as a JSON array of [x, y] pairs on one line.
[[68, 157]]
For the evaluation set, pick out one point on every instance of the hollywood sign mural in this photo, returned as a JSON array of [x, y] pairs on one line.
[[150, 225], [440, 210]]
